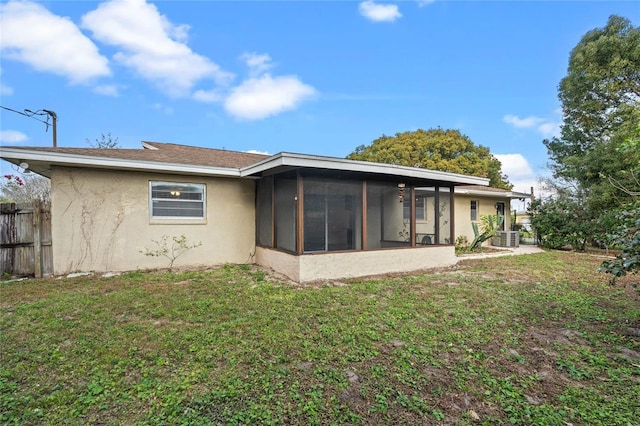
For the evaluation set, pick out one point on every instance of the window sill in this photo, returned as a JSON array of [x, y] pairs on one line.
[[177, 221]]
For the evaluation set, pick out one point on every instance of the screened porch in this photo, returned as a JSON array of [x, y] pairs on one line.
[[309, 212]]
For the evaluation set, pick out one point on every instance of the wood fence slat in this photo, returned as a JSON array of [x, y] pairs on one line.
[[25, 239], [37, 245]]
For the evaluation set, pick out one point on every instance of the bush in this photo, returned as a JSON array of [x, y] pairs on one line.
[[562, 222], [627, 236]]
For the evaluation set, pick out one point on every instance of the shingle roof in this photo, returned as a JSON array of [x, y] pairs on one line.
[[168, 153]]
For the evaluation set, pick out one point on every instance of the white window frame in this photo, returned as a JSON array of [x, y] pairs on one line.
[[407, 209], [178, 185], [477, 202]]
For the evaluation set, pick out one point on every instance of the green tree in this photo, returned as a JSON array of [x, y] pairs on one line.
[[597, 151], [435, 149], [625, 232], [104, 142], [563, 221], [627, 236], [600, 98]]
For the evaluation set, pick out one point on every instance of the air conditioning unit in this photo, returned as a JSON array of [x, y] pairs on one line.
[[507, 239]]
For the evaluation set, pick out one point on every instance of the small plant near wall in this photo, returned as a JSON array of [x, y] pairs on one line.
[[171, 248], [462, 244]]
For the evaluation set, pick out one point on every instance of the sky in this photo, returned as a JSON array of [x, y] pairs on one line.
[[312, 77]]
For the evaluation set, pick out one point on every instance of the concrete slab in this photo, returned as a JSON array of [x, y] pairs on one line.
[[504, 251]]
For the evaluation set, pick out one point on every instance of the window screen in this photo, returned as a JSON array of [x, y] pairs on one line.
[[177, 200]]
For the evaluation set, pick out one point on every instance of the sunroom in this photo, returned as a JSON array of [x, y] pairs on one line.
[[327, 218]]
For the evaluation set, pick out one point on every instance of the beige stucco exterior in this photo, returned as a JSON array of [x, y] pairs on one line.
[[486, 206], [322, 266], [101, 221]]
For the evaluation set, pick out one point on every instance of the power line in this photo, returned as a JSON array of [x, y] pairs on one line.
[[40, 112], [30, 114]]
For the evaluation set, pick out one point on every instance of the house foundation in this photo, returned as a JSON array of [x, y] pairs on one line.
[[326, 265]]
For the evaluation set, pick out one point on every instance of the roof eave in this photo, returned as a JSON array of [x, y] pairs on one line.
[[18, 155], [510, 195], [310, 161]]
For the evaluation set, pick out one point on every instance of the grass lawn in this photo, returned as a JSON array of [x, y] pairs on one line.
[[516, 340]]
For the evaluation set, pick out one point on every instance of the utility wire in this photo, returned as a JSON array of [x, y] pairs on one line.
[[30, 114]]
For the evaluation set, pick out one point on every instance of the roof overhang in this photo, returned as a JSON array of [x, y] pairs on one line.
[[290, 160], [41, 161], [494, 194]]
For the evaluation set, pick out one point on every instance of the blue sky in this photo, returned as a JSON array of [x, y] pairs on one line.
[[315, 77]]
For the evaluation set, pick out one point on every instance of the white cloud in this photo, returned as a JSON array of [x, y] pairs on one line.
[[515, 166], [151, 45], [258, 64], [33, 35], [4, 89], [261, 97], [255, 151], [521, 175], [12, 136], [545, 127], [107, 90], [526, 122], [377, 12], [549, 129], [208, 96]]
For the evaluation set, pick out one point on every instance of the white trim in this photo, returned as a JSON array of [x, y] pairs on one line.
[[173, 218], [147, 145], [497, 194], [331, 163], [79, 160]]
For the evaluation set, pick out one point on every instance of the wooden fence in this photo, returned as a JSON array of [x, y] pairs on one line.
[[25, 239]]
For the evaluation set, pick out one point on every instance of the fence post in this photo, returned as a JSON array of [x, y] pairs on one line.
[[37, 240]]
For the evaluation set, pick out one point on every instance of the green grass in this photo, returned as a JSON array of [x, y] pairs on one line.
[[537, 339]]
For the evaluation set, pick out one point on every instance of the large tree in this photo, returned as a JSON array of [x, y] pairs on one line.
[[600, 98], [436, 149], [598, 151]]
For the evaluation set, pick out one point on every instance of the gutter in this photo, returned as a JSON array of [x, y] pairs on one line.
[[17, 156]]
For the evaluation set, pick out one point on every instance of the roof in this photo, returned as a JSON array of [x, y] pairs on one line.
[[288, 160], [489, 191], [155, 156], [189, 160]]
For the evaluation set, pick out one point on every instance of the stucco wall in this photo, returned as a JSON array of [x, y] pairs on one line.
[[284, 263], [486, 206], [355, 264], [101, 221]]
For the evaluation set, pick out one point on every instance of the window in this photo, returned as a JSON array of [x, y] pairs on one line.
[[421, 213], [171, 200], [474, 210]]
